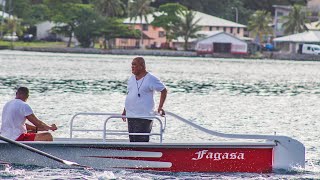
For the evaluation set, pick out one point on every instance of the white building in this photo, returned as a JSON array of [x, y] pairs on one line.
[[279, 13], [4, 14], [221, 42], [314, 7], [292, 42], [313, 26], [44, 31], [208, 23]]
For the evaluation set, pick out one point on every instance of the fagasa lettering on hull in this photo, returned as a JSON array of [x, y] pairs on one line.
[[217, 156]]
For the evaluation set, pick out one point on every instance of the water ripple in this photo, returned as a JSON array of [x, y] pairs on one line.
[[65, 85], [183, 86]]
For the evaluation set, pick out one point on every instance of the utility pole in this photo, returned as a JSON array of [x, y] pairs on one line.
[[235, 8], [3, 3], [10, 11]]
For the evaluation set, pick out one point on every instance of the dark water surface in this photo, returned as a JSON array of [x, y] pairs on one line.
[[226, 95]]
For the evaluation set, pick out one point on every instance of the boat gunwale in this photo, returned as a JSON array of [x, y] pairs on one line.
[[67, 142]]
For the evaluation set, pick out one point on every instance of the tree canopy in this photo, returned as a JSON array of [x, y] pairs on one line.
[[259, 24], [88, 19], [187, 27], [33, 11], [140, 8], [168, 16], [296, 21]]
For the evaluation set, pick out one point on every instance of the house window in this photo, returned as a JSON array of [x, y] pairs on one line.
[[217, 28], [210, 28], [224, 29], [161, 34], [231, 30], [145, 27], [238, 30]]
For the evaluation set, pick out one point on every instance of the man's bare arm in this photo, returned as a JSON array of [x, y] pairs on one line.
[[41, 125], [31, 128], [163, 97]]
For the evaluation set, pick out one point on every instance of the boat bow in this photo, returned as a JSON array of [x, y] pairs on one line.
[[288, 153]]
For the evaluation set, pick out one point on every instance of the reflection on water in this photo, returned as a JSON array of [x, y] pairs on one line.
[[263, 88], [65, 85]]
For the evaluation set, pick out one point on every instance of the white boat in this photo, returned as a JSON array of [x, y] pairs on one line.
[[266, 154]]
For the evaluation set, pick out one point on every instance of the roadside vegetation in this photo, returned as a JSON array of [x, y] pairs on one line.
[[33, 44], [92, 20]]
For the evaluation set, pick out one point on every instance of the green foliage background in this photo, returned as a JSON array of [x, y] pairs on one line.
[[33, 10]]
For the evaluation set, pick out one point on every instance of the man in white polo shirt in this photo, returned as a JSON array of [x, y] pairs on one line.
[[14, 116], [140, 102]]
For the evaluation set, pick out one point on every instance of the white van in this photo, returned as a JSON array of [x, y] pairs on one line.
[[310, 49]]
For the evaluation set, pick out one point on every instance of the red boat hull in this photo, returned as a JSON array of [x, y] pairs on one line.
[[258, 160]]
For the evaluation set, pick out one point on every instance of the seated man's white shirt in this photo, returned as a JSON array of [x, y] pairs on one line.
[[14, 118], [144, 105]]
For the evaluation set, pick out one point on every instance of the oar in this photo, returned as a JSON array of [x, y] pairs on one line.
[[69, 163]]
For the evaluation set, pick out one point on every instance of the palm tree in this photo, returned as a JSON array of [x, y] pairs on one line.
[[169, 15], [140, 9], [110, 8], [259, 24], [187, 27], [296, 21]]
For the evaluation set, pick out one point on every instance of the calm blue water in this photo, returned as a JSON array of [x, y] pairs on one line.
[[226, 95]]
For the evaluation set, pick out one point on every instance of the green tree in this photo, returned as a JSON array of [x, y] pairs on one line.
[[111, 28], [87, 27], [296, 20], [29, 12], [224, 9], [268, 4], [109, 8], [140, 9], [168, 16], [19, 8], [37, 13], [68, 16], [187, 27], [259, 24], [13, 26]]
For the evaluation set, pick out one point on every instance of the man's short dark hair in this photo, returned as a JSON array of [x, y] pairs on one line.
[[23, 90], [140, 60]]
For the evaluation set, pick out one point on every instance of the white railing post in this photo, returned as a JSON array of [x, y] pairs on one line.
[[144, 117], [110, 116]]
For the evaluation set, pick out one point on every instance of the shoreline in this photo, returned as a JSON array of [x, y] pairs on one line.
[[156, 52]]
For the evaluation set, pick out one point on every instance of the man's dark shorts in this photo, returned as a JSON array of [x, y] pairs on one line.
[[136, 125]]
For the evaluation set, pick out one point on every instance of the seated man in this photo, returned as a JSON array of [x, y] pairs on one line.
[[14, 116]]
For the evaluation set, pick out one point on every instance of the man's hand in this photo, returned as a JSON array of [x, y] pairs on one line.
[[161, 112], [53, 127]]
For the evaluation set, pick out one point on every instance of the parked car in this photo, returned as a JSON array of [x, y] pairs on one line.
[[311, 49], [10, 37], [27, 37]]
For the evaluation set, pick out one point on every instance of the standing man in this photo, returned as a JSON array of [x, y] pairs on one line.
[[14, 116], [140, 102]]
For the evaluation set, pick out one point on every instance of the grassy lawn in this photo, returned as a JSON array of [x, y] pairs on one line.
[[34, 44]]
